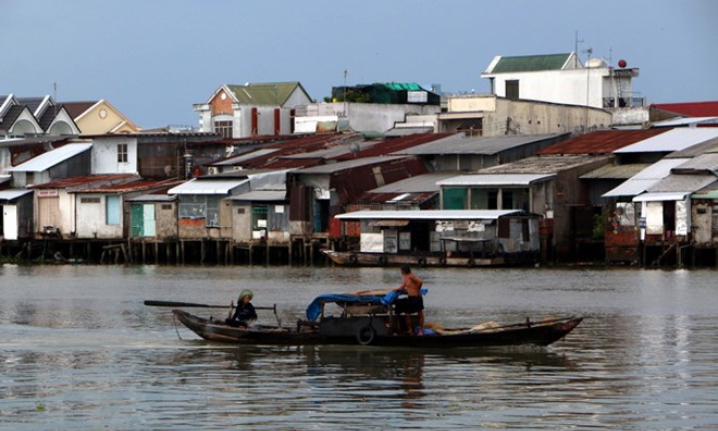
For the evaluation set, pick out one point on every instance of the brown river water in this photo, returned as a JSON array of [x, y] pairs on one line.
[[79, 351]]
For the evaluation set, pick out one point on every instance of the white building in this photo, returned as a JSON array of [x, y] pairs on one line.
[[252, 109], [563, 78]]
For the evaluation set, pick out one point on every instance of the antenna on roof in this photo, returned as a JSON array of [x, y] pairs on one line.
[[575, 50], [54, 98]]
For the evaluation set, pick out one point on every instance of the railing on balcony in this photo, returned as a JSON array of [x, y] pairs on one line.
[[624, 102]]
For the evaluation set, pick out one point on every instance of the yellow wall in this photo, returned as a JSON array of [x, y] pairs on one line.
[[104, 118]]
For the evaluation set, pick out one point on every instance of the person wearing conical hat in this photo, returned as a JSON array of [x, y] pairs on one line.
[[245, 314]]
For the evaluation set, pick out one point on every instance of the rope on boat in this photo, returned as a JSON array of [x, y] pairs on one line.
[[174, 321]]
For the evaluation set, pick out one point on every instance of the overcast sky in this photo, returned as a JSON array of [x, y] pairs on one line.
[[154, 59]]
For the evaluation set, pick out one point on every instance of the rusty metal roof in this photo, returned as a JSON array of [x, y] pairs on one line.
[[133, 186], [395, 145], [600, 142], [692, 109], [85, 181]]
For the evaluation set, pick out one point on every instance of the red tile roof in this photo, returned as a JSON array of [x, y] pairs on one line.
[[600, 142], [693, 109]]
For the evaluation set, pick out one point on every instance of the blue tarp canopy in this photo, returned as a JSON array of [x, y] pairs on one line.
[[314, 310]]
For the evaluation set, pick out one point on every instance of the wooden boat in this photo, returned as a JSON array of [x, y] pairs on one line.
[[368, 319]]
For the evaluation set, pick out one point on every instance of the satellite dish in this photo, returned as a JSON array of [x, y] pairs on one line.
[[354, 148]]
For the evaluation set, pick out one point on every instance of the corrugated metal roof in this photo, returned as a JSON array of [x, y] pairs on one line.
[[544, 164], [619, 172], [708, 146], [133, 186], [417, 184], [405, 131], [640, 182], [153, 198], [243, 157], [336, 167], [495, 180], [396, 145], [659, 197], [672, 140], [8, 195], [262, 196], [600, 142], [206, 187], [382, 198], [530, 63], [51, 158], [678, 122], [269, 93], [693, 109], [428, 215], [73, 183], [333, 152], [682, 183], [459, 143], [704, 162]]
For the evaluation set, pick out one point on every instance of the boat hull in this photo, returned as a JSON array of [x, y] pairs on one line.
[[530, 333]]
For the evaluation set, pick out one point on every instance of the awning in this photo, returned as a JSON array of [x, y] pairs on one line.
[[428, 215], [659, 197], [206, 187], [8, 195], [494, 180], [262, 196], [51, 158], [389, 223]]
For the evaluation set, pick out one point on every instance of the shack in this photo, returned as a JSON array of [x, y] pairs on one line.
[[15, 214], [443, 237]]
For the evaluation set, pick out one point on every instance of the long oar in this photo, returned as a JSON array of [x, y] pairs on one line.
[[152, 303]]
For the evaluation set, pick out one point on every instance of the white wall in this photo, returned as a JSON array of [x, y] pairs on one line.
[[91, 219], [104, 155], [573, 87], [364, 117]]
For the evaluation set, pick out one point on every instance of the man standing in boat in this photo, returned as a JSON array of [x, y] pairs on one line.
[[413, 303]]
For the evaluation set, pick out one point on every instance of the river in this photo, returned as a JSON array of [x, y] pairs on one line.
[[80, 351]]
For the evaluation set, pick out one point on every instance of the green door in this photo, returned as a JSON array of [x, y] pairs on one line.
[[138, 220]]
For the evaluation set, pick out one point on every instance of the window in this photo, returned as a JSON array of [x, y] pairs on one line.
[[121, 153], [112, 210], [224, 128], [512, 89]]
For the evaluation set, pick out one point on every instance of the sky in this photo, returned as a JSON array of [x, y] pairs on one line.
[[154, 59]]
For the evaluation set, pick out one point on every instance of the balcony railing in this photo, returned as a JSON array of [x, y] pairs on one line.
[[624, 102]]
